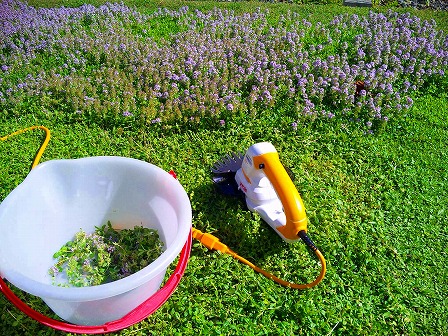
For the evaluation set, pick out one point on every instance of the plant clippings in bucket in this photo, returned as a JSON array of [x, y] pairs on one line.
[[104, 256]]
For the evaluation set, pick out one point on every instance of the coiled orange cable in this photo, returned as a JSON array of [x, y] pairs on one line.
[[213, 243]]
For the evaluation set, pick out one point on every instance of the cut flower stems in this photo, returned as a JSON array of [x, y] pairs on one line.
[[105, 255]]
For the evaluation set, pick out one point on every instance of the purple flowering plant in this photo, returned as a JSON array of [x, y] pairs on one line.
[[114, 62], [103, 256]]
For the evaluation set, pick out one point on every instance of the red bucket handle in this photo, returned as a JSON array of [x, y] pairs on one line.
[[136, 315]]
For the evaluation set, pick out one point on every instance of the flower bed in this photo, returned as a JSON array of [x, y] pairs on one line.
[[110, 64]]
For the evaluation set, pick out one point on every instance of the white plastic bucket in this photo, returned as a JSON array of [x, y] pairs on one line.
[[60, 197]]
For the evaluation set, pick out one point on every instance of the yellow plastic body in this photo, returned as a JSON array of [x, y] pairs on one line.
[[293, 207]]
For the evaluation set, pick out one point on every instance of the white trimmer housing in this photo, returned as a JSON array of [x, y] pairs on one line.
[[260, 193]]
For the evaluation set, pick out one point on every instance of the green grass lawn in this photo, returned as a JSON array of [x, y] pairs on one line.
[[377, 208]]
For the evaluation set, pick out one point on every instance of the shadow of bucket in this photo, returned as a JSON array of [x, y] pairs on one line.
[[60, 197]]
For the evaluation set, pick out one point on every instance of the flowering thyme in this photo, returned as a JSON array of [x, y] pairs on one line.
[[106, 61]]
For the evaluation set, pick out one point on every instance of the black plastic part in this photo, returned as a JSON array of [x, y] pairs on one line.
[[290, 173], [307, 240], [225, 184]]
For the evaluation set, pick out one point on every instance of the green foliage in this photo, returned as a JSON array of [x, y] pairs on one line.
[[85, 261], [188, 65], [133, 249]]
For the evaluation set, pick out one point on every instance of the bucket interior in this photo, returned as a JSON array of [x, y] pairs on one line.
[[58, 198]]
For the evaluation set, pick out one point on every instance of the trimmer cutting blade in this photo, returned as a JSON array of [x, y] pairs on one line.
[[228, 164], [224, 174]]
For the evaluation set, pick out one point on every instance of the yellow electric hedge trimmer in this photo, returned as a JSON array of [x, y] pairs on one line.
[[270, 192]]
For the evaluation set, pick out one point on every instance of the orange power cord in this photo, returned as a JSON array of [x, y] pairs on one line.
[[206, 239], [213, 243]]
